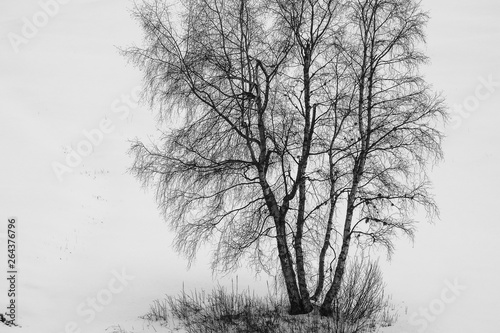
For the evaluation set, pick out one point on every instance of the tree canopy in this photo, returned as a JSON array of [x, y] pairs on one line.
[[300, 127]]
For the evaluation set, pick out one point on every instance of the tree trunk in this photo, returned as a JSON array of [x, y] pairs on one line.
[[326, 308], [324, 249], [299, 255], [301, 179], [359, 165], [286, 262], [296, 305]]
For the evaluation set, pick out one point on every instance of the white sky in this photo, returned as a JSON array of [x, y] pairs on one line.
[[65, 80]]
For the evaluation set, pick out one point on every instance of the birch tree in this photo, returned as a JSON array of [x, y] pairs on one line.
[[300, 127]]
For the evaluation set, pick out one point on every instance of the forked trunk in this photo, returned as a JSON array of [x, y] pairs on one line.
[[327, 308], [296, 306], [294, 297], [286, 262], [322, 255]]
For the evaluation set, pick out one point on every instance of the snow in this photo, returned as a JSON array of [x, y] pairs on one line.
[[97, 235]]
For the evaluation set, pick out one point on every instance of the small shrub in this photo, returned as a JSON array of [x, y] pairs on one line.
[[158, 311], [231, 311], [361, 306], [388, 316]]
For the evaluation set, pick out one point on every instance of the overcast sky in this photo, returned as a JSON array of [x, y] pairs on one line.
[[66, 77]]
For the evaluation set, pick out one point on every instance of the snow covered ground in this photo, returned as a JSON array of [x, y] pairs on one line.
[[93, 253]]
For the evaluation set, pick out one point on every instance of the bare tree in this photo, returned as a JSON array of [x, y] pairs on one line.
[[287, 113], [391, 126]]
